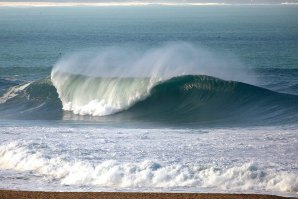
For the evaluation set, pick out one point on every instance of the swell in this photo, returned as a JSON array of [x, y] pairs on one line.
[[6, 84], [195, 99], [205, 99], [35, 100]]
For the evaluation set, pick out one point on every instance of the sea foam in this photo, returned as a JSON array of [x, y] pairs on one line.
[[248, 177], [12, 92]]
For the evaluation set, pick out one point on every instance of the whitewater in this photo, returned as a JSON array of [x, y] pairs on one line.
[[127, 159], [149, 98]]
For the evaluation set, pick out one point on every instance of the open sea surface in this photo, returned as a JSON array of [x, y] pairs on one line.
[[149, 98]]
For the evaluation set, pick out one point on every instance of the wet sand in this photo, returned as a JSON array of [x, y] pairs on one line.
[[4, 194]]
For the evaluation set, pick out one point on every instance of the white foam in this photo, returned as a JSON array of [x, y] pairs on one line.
[[247, 177], [12, 92], [94, 108], [289, 3]]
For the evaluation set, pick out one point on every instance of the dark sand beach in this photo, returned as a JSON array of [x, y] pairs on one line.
[[4, 194]]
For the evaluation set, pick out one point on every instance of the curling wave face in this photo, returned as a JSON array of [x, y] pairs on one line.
[[196, 99], [99, 96]]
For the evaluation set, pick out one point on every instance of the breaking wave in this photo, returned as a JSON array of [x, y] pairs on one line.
[[99, 96], [175, 83]]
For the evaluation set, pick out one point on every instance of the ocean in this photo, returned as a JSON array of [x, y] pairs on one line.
[[149, 98]]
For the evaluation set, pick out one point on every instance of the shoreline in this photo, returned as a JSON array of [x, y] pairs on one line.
[[10, 194]]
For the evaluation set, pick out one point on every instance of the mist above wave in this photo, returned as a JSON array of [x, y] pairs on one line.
[[164, 61]]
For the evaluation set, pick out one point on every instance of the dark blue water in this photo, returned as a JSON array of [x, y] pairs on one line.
[[261, 36]]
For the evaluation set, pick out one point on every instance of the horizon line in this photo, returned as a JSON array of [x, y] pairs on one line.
[[131, 3]]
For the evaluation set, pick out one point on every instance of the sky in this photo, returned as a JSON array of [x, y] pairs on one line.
[[157, 1]]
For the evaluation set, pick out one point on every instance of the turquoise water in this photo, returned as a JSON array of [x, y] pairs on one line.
[[261, 36], [149, 98]]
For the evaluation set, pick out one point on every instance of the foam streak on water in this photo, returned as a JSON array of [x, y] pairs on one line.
[[12, 92], [150, 160]]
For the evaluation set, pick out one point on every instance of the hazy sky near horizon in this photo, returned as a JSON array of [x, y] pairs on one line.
[[155, 1]]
